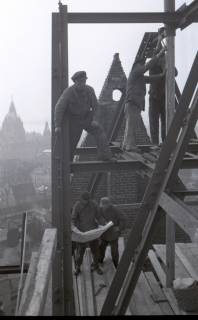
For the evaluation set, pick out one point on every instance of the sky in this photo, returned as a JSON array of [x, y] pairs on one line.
[[25, 51]]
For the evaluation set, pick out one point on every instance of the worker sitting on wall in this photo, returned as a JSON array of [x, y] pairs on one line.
[[85, 217], [135, 99], [111, 236], [79, 103]]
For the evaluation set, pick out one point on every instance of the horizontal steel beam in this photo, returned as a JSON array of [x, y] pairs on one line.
[[124, 17], [93, 150], [13, 269], [104, 166]]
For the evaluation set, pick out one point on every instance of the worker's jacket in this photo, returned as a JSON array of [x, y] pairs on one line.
[[86, 215], [75, 101], [116, 216], [136, 83]]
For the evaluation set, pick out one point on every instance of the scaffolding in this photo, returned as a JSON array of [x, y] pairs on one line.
[[180, 128]]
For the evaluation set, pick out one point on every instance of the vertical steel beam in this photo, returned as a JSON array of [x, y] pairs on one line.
[[169, 6], [57, 270], [66, 192]]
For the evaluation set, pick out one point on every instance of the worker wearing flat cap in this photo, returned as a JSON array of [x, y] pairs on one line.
[[85, 217], [79, 103]]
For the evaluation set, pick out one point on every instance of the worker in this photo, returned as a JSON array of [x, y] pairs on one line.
[[157, 111], [157, 95], [85, 217], [111, 236], [135, 99], [79, 103]]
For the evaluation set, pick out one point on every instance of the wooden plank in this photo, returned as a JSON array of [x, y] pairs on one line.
[[77, 297], [82, 295], [85, 288], [157, 267], [57, 272], [169, 6], [38, 287], [109, 268], [173, 302], [180, 270], [180, 214], [90, 284], [142, 299], [158, 295], [29, 278], [185, 254], [99, 289]]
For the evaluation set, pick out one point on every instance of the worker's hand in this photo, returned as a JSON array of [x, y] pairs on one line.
[[162, 51], [58, 130]]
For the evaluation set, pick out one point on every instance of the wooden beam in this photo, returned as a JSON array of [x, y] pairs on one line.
[[180, 214], [66, 187], [57, 274], [28, 280], [13, 269], [37, 282], [189, 14], [169, 6], [124, 17]]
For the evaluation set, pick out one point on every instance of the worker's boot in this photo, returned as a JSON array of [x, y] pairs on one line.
[[97, 268], [77, 271], [99, 271]]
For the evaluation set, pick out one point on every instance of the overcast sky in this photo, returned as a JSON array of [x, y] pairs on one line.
[[25, 50]]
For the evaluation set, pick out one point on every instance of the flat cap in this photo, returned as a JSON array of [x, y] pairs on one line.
[[79, 75]]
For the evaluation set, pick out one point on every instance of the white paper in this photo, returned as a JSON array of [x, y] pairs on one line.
[[82, 237]]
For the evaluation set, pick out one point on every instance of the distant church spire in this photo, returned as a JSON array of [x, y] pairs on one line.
[[12, 126], [12, 108], [46, 131]]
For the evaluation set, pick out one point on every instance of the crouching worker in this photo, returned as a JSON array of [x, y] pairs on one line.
[[111, 236], [85, 217]]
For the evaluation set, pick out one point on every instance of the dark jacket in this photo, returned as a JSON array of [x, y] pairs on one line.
[[136, 83], [116, 216], [76, 102], [86, 215]]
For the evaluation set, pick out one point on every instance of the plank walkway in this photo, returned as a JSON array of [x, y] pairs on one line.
[[151, 297], [186, 265]]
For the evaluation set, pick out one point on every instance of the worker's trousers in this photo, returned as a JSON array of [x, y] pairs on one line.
[[78, 124], [134, 124], [114, 251], [80, 251], [157, 114]]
